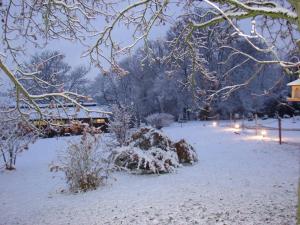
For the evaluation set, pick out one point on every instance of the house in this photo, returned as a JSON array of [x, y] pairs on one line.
[[69, 119], [295, 91]]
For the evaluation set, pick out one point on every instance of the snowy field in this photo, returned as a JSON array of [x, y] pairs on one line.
[[240, 179]]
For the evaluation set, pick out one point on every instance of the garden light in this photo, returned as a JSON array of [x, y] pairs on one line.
[[263, 133]]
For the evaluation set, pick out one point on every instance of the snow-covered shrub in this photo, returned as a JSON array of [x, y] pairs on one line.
[[159, 120], [120, 123], [146, 138], [84, 164], [150, 151], [185, 152], [153, 160], [15, 136]]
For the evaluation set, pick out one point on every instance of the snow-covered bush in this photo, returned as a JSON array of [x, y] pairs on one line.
[[159, 120], [150, 151], [15, 136], [153, 160], [185, 152], [84, 164], [120, 123]]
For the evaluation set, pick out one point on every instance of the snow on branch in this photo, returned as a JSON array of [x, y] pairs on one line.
[[249, 9], [39, 22], [23, 96]]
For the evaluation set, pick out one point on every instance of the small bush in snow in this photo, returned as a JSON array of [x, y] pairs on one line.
[[185, 152], [120, 123], [85, 166], [15, 136], [159, 120]]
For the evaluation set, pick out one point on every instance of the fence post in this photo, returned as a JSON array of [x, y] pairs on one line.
[[256, 125], [243, 123], [279, 130], [230, 119], [294, 120]]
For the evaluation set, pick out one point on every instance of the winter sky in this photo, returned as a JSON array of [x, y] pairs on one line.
[[73, 51]]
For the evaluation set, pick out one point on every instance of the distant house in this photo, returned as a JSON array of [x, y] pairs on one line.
[[295, 91], [69, 119]]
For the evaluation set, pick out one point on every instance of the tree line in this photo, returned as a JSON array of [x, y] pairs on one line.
[[158, 78]]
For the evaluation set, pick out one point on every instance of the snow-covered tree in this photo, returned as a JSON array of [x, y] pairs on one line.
[[39, 22], [54, 75], [120, 123], [53, 71], [160, 120], [15, 136], [77, 80], [164, 81]]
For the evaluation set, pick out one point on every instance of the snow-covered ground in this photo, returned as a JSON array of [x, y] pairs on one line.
[[240, 179]]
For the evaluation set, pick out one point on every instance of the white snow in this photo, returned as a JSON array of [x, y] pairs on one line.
[[239, 179], [70, 112]]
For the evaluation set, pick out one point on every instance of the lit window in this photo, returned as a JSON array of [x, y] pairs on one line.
[[100, 121]]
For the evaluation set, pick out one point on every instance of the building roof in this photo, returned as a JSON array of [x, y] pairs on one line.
[[295, 82], [70, 112]]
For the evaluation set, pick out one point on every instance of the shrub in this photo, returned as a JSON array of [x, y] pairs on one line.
[[84, 164], [185, 152], [153, 160], [15, 136], [150, 151], [120, 123], [160, 120]]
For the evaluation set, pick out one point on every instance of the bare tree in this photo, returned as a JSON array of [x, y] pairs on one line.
[[77, 81], [53, 72], [160, 120], [15, 136], [144, 14], [120, 123], [38, 22]]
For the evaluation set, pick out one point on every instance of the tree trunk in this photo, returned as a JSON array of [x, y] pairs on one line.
[[10, 164]]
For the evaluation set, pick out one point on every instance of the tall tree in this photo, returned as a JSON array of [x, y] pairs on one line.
[[53, 72], [37, 22]]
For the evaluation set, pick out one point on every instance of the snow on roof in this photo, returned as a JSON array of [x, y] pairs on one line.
[[70, 113], [46, 105], [295, 82]]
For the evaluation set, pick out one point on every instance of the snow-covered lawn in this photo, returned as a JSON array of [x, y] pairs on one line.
[[239, 179]]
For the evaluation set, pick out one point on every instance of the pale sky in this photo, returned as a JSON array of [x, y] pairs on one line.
[[73, 50]]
